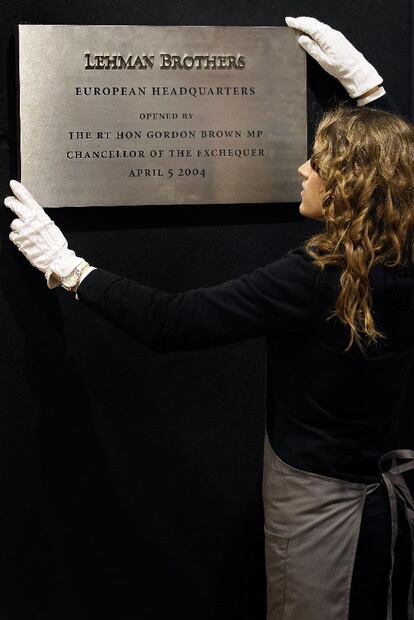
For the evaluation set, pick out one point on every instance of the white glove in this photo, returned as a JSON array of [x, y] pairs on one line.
[[38, 237], [336, 55]]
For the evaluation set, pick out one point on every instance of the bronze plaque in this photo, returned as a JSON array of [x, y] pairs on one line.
[[138, 115]]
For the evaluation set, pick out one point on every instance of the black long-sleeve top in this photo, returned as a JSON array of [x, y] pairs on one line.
[[329, 411]]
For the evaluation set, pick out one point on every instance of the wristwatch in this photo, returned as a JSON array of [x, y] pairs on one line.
[[71, 281]]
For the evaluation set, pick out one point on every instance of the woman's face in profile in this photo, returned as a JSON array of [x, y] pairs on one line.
[[312, 194]]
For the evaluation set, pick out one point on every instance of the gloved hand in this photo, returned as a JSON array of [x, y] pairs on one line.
[[38, 237], [335, 54]]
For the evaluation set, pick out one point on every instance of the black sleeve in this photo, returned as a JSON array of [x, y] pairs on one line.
[[270, 299], [383, 103]]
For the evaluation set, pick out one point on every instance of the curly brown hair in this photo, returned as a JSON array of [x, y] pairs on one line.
[[365, 157]]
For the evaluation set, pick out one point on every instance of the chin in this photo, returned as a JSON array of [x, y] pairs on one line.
[[303, 211], [318, 217]]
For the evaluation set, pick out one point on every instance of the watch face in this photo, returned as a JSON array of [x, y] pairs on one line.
[[70, 280]]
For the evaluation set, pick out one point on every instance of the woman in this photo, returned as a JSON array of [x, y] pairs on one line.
[[338, 320]]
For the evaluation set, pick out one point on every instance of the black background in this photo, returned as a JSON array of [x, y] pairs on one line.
[[130, 481]]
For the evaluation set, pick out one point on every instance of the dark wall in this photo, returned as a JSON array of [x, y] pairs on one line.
[[130, 481]]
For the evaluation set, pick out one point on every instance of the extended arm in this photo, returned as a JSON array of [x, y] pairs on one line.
[[273, 298]]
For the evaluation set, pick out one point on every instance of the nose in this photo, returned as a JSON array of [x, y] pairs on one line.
[[303, 170]]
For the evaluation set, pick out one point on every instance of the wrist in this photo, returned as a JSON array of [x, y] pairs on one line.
[[369, 92], [363, 101], [71, 281], [85, 272], [62, 266]]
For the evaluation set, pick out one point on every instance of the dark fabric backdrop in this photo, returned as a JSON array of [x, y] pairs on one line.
[[130, 482]]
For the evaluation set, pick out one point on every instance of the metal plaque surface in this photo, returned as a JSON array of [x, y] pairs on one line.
[[138, 115]]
